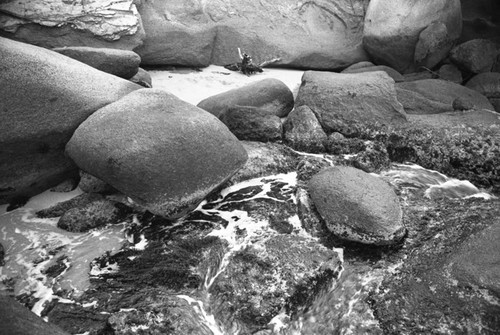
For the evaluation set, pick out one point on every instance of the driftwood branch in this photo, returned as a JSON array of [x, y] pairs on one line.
[[246, 66]]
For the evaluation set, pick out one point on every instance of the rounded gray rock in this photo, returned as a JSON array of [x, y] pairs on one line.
[[357, 206], [162, 152]]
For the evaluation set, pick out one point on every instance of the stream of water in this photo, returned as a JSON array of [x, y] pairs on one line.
[[33, 246]]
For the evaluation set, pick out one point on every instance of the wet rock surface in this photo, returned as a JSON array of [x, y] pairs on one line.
[[252, 124]]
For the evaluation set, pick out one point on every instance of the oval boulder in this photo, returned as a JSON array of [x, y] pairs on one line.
[[162, 152]]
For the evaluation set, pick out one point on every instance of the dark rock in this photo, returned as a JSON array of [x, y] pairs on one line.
[[142, 78], [95, 214], [480, 20], [345, 103], [372, 159], [271, 95], [60, 208], [121, 63], [90, 184], [76, 319], [315, 35], [357, 206], [392, 32], [15, 319], [461, 104], [390, 71], [475, 56], [188, 151], [278, 274], [433, 96], [66, 186], [2, 255], [463, 145], [419, 76], [58, 24], [451, 73], [302, 131], [252, 123], [265, 159], [38, 86], [447, 280]]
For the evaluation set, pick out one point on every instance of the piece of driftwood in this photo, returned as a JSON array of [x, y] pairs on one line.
[[246, 66]]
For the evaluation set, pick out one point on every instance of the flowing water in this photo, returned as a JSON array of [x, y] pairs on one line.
[[44, 262]]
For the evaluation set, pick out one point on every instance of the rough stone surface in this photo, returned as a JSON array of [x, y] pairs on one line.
[[121, 63], [90, 184], [460, 104], [59, 23], [252, 123], [302, 131], [164, 153], [92, 215], [314, 34], [270, 94], [345, 102], [448, 281], [16, 319], [357, 206], [265, 159], [451, 73], [476, 56], [45, 97], [62, 207], [392, 31], [270, 276], [395, 75], [433, 96]]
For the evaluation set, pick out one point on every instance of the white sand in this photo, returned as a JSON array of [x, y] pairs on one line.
[[193, 86]]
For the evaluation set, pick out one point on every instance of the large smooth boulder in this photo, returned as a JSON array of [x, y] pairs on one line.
[[121, 63], [345, 103], [162, 152], [15, 319], [393, 30], [45, 97], [476, 56], [433, 96], [269, 94], [390, 71], [313, 34], [357, 206], [59, 23]]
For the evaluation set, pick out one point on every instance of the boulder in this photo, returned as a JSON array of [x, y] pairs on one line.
[[45, 97], [15, 319], [357, 206], [488, 84], [302, 131], [476, 56], [265, 159], [59, 23], [252, 123], [162, 152], [90, 184], [143, 78], [2, 255], [121, 63], [345, 102], [60, 208], [451, 73], [390, 71], [270, 94], [419, 76], [433, 96], [92, 215], [392, 32], [358, 65], [314, 34]]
